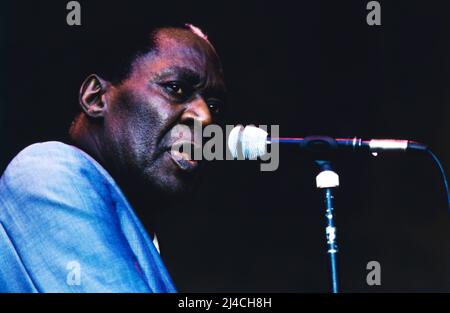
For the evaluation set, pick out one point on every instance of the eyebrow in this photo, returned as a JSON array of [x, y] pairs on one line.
[[191, 76], [180, 72]]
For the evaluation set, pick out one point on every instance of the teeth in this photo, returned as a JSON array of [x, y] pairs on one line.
[[180, 155], [183, 160], [184, 149], [185, 156]]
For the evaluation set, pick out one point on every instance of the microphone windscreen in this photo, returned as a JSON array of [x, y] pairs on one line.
[[251, 141], [234, 139]]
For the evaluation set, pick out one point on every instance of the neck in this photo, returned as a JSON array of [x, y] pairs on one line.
[[84, 135], [148, 203]]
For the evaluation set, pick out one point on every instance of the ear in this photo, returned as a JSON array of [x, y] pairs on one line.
[[91, 98]]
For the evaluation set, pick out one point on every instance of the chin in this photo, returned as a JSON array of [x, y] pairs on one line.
[[173, 185], [168, 179]]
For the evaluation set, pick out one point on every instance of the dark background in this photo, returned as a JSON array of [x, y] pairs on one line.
[[313, 67]]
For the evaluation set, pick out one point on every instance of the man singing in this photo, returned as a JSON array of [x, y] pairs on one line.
[[70, 214]]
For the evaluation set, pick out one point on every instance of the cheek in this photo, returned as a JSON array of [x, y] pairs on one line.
[[143, 127], [143, 116], [147, 105]]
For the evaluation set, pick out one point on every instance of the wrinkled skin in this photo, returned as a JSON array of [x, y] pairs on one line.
[[178, 84], [127, 126]]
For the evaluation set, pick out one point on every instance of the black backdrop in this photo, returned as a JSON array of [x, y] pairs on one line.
[[313, 67]]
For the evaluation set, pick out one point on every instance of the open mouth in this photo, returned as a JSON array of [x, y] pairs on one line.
[[184, 160]]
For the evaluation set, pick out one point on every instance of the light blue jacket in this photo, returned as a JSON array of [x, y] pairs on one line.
[[65, 226]]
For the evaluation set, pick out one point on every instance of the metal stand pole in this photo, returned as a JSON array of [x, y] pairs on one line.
[[326, 180]]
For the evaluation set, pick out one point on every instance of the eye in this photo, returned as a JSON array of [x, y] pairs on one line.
[[178, 89], [214, 106]]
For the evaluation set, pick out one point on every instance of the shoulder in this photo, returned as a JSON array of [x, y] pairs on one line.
[[45, 153], [47, 160], [54, 171], [50, 156]]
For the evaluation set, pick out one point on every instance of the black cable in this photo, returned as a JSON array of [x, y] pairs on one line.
[[443, 175]]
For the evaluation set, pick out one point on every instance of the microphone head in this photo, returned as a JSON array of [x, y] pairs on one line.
[[249, 142]]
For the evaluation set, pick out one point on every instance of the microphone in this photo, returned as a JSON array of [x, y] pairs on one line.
[[251, 142]]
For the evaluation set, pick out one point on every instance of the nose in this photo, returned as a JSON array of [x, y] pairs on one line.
[[197, 110]]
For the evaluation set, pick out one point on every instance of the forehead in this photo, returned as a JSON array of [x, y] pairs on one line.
[[180, 51]]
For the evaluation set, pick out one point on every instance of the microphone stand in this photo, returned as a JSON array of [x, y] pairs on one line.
[[326, 180]]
